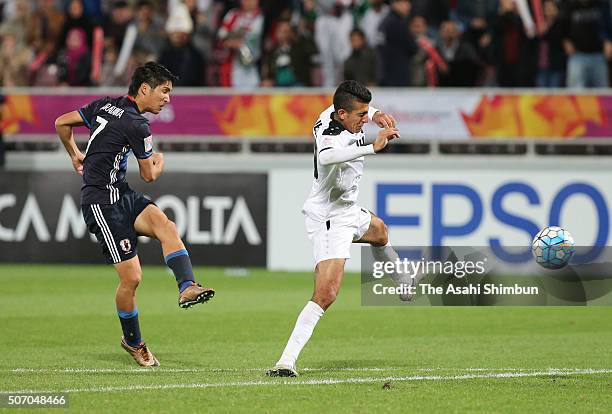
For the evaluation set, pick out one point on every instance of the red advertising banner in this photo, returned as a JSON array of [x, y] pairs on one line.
[[420, 114], [246, 116]]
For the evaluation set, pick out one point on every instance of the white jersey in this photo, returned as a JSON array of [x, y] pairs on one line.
[[336, 186]]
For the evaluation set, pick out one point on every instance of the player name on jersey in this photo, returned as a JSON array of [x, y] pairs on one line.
[[113, 110]]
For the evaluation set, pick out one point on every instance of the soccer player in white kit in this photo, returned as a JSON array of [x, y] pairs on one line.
[[333, 219]]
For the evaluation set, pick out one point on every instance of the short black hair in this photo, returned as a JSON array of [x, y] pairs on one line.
[[348, 92], [151, 73]]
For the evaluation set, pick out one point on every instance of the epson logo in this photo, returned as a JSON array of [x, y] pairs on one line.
[[489, 216]]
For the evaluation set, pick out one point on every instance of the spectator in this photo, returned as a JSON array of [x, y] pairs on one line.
[[463, 66], [14, 60], [20, 24], [290, 61], [434, 11], [108, 77], [46, 27], [475, 18], [307, 49], [426, 63], [275, 11], [179, 55], [309, 12], [203, 15], [150, 38], [121, 16], [586, 31], [361, 64], [75, 60], [478, 35], [552, 59], [332, 35], [398, 46], [514, 54], [94, 11], [107, 72], [418, 76], [75, 18], [241, 37], [475, 12], [372, 19]]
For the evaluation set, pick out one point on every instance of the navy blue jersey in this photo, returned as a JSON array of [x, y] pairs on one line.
[[116, 129]]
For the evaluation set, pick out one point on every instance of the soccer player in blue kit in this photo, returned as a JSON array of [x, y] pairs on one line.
[[116, 214]]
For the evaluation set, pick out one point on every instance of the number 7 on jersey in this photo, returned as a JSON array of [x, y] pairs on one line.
[[99, 129]]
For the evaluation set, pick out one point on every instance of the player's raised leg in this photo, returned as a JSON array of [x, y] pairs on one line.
[[152, 222], [327, 285], [130, 274]]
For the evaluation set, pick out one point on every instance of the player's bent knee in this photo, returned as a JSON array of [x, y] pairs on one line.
[[135, 280], [381, 235], [171, 228], [132, 281], [166, 230], [384, 234]]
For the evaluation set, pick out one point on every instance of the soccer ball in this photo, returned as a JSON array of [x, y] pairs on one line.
[[553, 247]]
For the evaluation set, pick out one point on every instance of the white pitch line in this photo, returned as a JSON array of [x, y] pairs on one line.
[[324, 381], [500, 369], [178, 370], [171, 370]]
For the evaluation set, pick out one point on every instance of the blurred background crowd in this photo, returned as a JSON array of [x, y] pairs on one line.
[[285, 43]]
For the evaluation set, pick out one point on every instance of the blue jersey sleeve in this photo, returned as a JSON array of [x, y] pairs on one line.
[[141, 140], [88, 111]]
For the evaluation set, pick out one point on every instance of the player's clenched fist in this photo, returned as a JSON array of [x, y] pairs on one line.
[[384, 136]]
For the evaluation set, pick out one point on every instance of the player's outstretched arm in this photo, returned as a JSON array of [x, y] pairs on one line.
[[328, 156], [152, 167], [63, 127], [331, 155]]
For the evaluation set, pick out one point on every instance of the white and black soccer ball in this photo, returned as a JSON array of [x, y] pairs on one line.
[[553, 247]]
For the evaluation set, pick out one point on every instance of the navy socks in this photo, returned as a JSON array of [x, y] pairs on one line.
[[180, 264], [130, 327]]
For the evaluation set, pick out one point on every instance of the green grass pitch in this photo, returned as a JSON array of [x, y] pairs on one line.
[[59, 331]]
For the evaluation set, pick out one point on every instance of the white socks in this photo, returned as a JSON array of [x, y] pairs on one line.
[[305, 324], [387, 254], [401, 279], [384, 253]]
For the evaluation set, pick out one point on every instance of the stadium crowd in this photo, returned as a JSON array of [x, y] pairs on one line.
[[251, 43]]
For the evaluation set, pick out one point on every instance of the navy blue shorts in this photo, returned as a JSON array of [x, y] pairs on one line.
[[113, 225]]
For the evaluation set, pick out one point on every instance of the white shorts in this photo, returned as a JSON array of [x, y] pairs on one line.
[[332, 239]]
